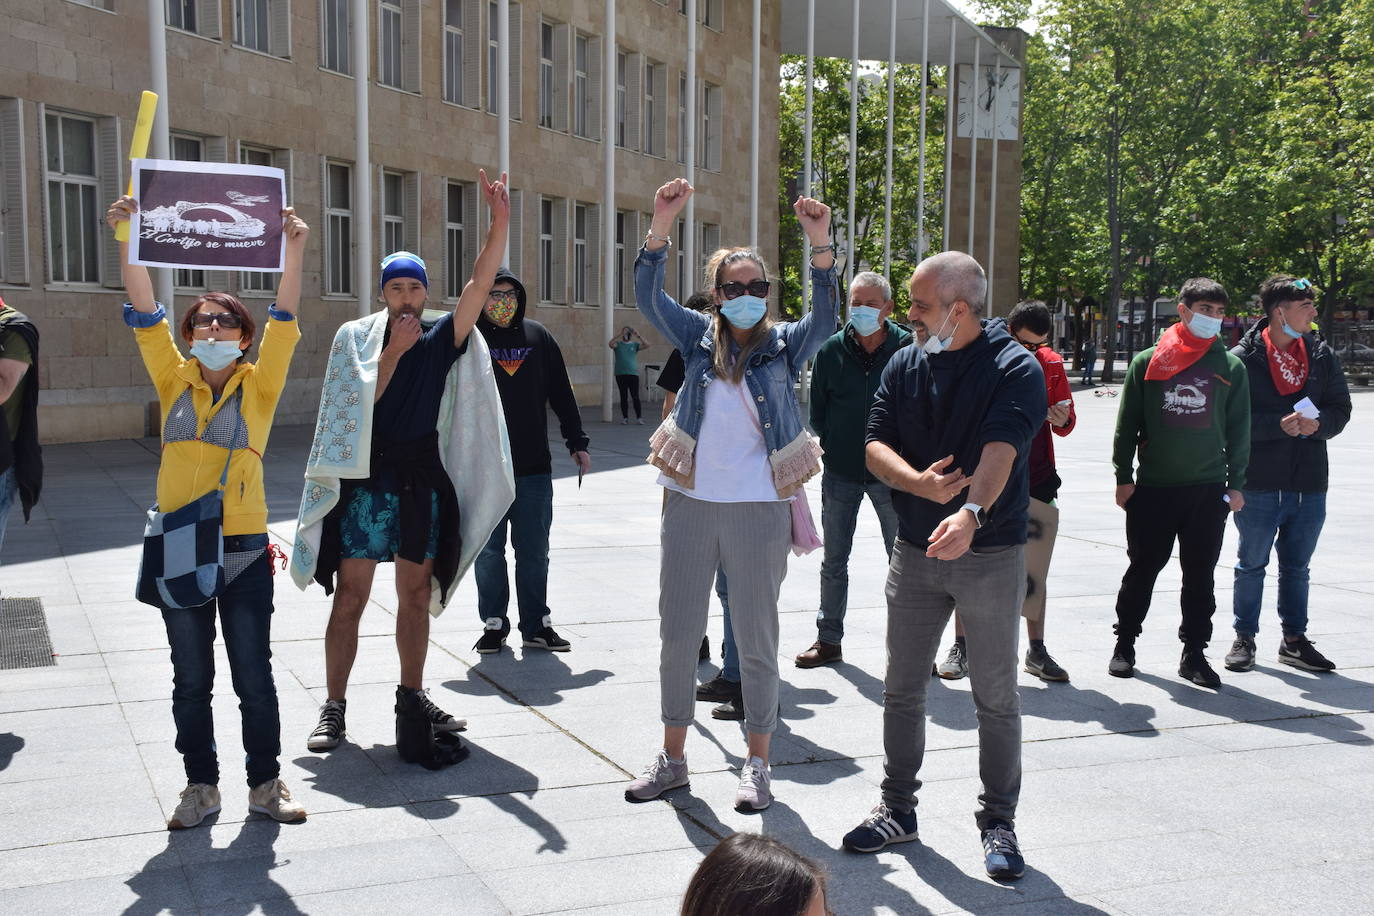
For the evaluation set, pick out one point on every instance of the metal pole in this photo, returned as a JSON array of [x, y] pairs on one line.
[[849, 229], [951, 99], [689, 226], [891, 101], [160, 143], [608, 263], [807, 130], [973, 141], [362, 155], [921, 166], [503, 91], [992, 190], [754, 130]]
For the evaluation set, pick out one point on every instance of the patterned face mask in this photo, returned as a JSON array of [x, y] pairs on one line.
[[501, 311]]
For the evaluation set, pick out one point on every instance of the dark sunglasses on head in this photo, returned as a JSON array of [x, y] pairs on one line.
[[225, 319], [733, 290]]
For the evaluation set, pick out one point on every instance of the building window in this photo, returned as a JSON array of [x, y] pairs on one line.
[[258, 281], [393, 212], [460, 244], [14, 244], [389, 44], [710, 13], [681, 116], [626, 231], [181, 14], [453, 51], [493, 33], [622, 66], [580, 253], [655, 106], [708, 148], [546, 75], [263, 25], [684, 288], [546, 259], [514, 68], [338, 228], [188, 149], [581, 95], [553, 250], [72, 185], [336, 43]]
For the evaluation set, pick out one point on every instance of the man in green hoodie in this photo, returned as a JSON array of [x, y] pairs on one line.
[[847, 371], [1185, 409]]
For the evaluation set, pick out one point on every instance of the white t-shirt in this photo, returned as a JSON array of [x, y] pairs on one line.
[[731, 458]]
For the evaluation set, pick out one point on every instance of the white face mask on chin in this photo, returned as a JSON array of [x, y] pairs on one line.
[[934, 342]]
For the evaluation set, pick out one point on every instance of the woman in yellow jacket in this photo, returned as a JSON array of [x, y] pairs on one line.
[[211, 403]]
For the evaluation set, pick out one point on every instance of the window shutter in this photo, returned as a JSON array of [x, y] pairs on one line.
[[515, 240], [472, 53], [560, 76], [594, 262], [111, 156], [216, 149], [713, 109], [410, 45], [627, 267], [279, 31], [471, 232], [660, 125], [710, 241], [634, 68], [560, 250], [14, 248], [516, 43], [208, 18], [412, 209], [594, 88]]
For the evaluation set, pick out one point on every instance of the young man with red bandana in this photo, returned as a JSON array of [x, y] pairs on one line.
[[1185, 410], [1298, 400]]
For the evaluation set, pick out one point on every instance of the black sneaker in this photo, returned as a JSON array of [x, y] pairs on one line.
[[1123, 660], [1041, 664], [881, 827], [547, 638], [1242, 654], [1192, 666], [493, 637], [705, 654], [330, 730], [718, 689], [442, 721], [1001, 853], [730, 711], [1301, 653]]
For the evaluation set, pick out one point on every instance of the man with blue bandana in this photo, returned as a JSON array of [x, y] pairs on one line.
[[845, 378]]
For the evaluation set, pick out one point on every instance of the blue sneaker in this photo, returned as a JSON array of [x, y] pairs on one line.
[[1001, 854], [880, 828]]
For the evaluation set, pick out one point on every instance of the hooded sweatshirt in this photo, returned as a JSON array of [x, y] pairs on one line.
[[531, 376]]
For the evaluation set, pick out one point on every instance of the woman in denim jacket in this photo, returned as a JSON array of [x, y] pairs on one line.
[[733, 453]]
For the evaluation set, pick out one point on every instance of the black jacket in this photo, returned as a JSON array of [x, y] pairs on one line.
[[531, 376], [24, 453], [955, 403], [1279, 461]]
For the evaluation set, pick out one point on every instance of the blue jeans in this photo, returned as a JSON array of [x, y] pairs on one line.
[[9, 493], [840, 501], [529, 518], [1292, 521], [1088, 372], [245, 613]]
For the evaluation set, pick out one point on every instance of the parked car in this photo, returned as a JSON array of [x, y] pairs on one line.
[[1356, 354]]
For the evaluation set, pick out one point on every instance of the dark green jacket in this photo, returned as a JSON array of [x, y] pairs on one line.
[[841, 395], [1189, 429]]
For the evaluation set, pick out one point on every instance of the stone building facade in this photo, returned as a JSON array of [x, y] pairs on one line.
[[271, 82]]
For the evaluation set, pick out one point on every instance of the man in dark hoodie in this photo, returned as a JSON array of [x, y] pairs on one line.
[[1285, 486], [843, 383], [531, 376], [950, 432], [21, 463]]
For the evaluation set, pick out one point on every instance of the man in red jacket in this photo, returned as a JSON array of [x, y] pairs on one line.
[[1030, 324]]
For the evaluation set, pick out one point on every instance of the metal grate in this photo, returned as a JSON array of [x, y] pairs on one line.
[[24, 641]]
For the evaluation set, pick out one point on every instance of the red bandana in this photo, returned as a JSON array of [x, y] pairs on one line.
[[1288, 368], [1178, 348]]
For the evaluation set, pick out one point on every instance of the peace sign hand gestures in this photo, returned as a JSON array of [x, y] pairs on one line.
[[496, 194]]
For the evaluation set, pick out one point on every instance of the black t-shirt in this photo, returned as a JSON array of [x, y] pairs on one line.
[[409, 408], [671, 378]]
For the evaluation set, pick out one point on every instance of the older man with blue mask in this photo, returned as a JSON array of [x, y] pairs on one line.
[[843, 383]]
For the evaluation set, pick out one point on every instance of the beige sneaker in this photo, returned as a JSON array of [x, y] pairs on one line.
[[198, 801], [273, 799]]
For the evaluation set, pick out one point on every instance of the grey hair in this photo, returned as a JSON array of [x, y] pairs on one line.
[[957, 276], [867, 279]]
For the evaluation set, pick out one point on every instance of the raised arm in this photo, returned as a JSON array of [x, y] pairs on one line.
[[469, 306], [289, 289], [806, 335], [682, 326], [136, 280]]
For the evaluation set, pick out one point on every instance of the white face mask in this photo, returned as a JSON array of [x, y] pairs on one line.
[[1204, 326], [934, 342], [216, 354]]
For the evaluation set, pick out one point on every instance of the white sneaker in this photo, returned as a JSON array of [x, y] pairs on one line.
[[198, 801], [273, 799], [755, 786]]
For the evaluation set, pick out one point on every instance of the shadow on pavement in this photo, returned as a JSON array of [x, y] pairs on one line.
[[1269, 713], [536, 678], [10, 744]]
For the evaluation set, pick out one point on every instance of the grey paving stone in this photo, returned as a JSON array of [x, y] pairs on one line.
[[55, 863], [461, 893], [164, 890]]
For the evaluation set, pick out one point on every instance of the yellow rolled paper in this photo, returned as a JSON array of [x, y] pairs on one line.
[[138, 147]]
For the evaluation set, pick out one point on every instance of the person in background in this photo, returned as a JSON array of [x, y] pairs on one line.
[[21, 457], [626, 348], [747, 873], [1089, 361]]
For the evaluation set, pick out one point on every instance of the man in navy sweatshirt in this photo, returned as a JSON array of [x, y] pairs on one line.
[[531, 376], [950, 432]]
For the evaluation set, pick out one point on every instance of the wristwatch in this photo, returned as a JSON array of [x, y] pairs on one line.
[[980, 515]]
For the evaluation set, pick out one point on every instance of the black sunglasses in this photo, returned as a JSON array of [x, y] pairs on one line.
[[225, 319], [734, 290], [1033, 345]]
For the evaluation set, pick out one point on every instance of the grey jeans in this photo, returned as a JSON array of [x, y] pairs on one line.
[[749, 541], [988, 589]]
